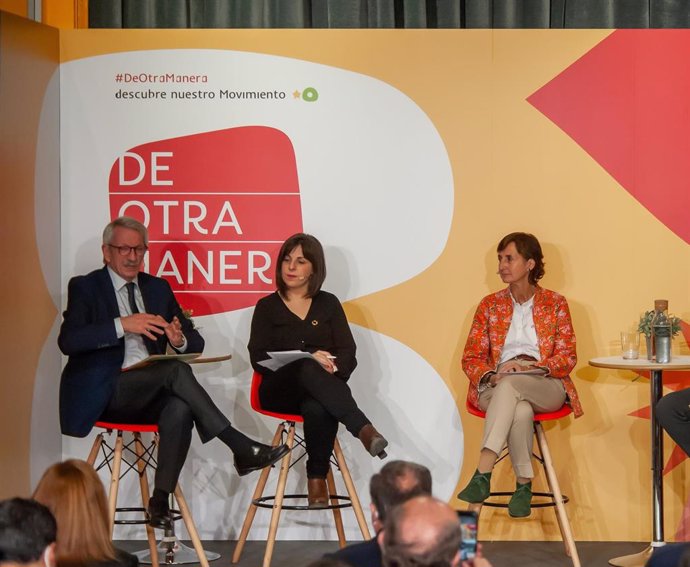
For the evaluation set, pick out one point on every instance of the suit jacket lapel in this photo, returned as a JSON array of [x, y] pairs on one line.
[[505, 316], [109, 293], [148, 297], [145, 293]]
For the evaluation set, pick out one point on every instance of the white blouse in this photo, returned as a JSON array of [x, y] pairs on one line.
[[522, 336]]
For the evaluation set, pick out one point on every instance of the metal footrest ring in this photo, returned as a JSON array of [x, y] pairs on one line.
[[263, 502], [548, 495], [176, 515]]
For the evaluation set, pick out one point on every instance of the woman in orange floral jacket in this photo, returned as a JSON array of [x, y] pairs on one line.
[[518, 356]]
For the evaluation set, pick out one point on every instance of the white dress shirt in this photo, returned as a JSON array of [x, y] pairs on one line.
[[135, 348]]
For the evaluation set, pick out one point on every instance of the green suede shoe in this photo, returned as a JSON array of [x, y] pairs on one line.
[[520, 505], [477, 490]]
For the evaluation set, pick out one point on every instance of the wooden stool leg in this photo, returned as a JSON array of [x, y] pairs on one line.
[[191, 527], [115, 481], [337, 516], [258, 493], [278, 503], [144, 488], [548, 483], [555, 487], [476, 508], [351, 491], [94, 449]]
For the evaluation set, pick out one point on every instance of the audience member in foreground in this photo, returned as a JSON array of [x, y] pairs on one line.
[[300, 316], [518, 357], [27, 534], [670, 555], [424, 532], [328, 561], [395, 483], [75, 495]]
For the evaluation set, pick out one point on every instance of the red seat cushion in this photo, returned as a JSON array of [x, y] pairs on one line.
[[546, 416], [257, 378], [141, 428]]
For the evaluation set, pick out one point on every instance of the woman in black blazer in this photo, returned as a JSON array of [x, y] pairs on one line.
[[299, 316]]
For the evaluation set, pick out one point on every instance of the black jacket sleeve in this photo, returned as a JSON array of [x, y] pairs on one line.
[[259, 338]]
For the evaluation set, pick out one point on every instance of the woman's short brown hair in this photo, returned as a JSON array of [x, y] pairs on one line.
[[74, 493], [529, 248], [312, 251]]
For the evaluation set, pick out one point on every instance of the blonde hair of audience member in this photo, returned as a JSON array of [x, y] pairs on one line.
[[73, 492], [422, 531]]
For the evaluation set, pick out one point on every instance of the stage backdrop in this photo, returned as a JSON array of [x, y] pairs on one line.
[[409, 154], [223, 154]]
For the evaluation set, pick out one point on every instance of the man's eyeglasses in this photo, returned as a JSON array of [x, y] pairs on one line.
[[127, 250]]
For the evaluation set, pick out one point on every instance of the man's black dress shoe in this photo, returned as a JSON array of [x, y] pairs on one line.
[[159, 514], [259, 456]]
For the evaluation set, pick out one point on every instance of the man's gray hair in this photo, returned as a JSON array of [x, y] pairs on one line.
[[125, 222]]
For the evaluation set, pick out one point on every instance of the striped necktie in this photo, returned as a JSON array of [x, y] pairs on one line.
[[130, 296], [151, 346]]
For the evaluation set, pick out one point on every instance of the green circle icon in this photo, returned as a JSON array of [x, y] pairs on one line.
[[310, 94]]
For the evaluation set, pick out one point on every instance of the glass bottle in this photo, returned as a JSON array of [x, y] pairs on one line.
[[661, 331], [651, 352]]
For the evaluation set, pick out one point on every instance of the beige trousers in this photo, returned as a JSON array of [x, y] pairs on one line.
[[510, 407]]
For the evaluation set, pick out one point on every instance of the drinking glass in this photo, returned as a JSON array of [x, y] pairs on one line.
[[630, 345]]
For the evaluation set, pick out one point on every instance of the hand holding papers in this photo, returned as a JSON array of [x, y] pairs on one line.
[[520, 367], [281, 358]]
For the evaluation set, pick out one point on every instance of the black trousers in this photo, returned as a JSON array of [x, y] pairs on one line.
[[673, 413], [322, 399], [167, 394]]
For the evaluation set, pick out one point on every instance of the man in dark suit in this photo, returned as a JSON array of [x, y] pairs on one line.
[[673, 414], [395, 483], [116, 316]]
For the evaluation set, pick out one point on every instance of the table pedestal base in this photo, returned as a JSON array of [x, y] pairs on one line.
[[636, 559], [171, 551]]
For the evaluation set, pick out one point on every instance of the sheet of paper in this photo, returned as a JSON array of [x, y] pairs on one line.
[[281, 358], [537, 371], [185, 356]]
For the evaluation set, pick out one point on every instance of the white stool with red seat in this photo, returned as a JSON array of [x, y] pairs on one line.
[[557, 499], [287, 428], [143, 456]]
